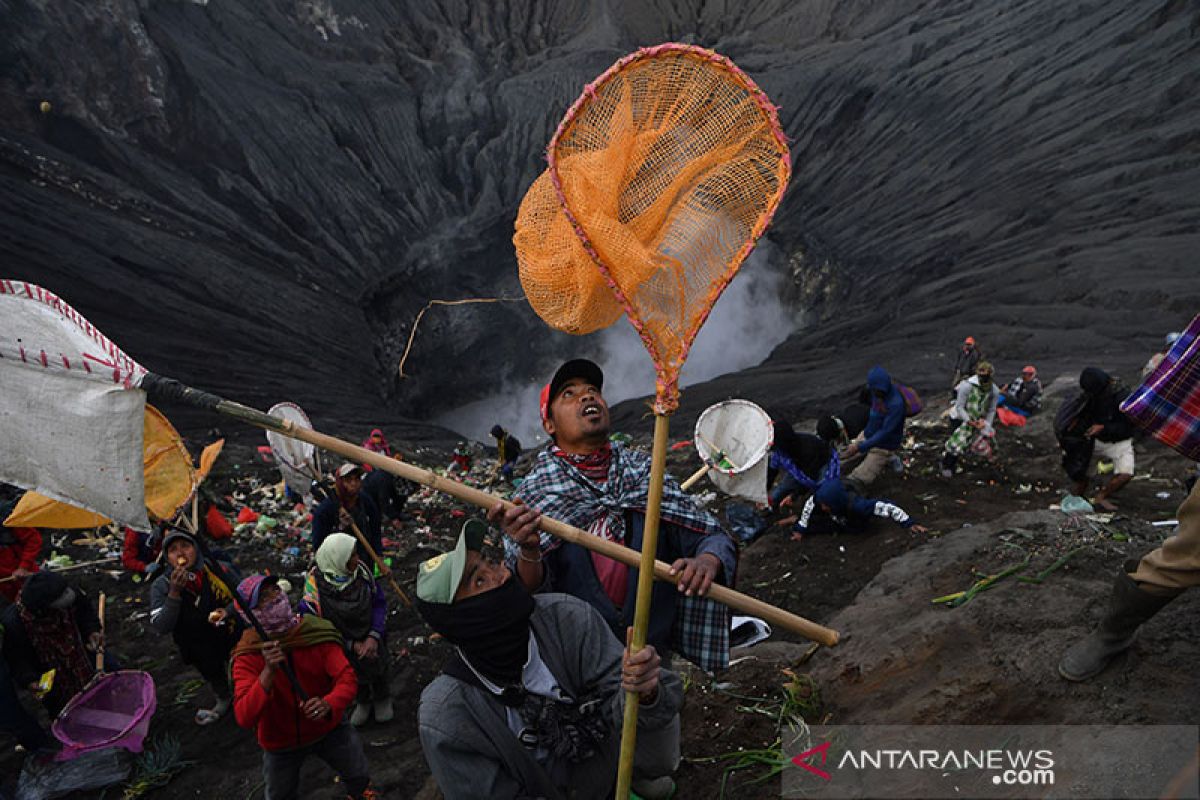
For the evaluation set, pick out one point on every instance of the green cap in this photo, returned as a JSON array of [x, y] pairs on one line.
[[438, 578]]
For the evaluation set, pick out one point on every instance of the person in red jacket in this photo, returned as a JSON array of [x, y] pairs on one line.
[[290, 729], [19, 549], [139, 555]]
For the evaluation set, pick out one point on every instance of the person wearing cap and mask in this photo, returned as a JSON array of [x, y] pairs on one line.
[[1092, 422], [289, 729], [975, 409], [508, 450], [190, 599], [531, 702], [965, 362], [341, 589], [53, 627], [1024, 394], [345, 504], [587, 481]]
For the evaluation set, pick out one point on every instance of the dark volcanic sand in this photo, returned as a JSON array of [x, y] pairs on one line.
[[902, 659]]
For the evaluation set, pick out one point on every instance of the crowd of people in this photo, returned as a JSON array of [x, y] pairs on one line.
[[530, 702]]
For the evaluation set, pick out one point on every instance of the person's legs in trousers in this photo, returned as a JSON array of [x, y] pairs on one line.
[[281, 771], [872, 464], [342, 750]]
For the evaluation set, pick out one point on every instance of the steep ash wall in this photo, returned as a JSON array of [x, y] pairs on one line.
[[258, 197]]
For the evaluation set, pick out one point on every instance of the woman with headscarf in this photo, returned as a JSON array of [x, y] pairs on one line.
[[975, 408], [292, 724], [189, 600], [341, 589], [52, 627], [376, 443]]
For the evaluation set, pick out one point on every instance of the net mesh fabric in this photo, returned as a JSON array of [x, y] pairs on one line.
[[662, 177]]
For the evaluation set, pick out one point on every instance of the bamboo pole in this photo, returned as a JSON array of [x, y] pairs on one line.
[[721, 594], [100, 649], [67, 568], [384, 569], [641, 611], [695, 478]]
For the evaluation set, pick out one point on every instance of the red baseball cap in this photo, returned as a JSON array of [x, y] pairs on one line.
[[969, 340], [575, 368]]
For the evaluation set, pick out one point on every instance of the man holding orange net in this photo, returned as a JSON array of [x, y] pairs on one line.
[[600, 486]]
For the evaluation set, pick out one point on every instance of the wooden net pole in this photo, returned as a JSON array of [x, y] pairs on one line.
[[641, 613]]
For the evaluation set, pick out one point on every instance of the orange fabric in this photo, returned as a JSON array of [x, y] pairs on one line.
[[662, 177]]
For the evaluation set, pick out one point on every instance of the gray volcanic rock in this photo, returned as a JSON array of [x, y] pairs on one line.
[[259, 197]]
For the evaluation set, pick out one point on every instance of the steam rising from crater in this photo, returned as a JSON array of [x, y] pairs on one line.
[[747, 323]]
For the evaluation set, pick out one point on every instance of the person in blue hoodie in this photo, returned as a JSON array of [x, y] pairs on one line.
[[837, 507], [884, 432]]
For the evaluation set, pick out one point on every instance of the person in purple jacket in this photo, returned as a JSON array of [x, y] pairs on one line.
[[341, 589]]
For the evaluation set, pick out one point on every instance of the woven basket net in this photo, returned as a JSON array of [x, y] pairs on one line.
[[662, 177]]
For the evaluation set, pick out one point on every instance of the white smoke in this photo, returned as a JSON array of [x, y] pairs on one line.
[[747, 323]]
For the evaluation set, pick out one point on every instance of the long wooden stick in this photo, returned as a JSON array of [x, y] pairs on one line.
[[100, 649], [695, 478], [641, 610], [65, 569], [384, 569], [662, 571]]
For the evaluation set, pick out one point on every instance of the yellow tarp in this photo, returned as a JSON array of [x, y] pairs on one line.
[[169, 476]]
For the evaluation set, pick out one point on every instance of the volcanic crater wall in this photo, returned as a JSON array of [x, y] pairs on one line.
[[259, 197]]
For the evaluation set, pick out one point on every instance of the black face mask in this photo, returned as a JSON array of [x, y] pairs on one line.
[[491, 629]]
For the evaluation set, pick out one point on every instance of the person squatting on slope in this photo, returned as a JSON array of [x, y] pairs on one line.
[[587, 481], [975, 410], [884, 432], [190, 599], [343, 590], [531, 703], [347, 504], [289, 729], [800, 461], [836, 506], [1092, 422], [1024, 394], [53, 627]]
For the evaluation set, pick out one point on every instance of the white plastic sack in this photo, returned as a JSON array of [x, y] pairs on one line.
[[70, 417]]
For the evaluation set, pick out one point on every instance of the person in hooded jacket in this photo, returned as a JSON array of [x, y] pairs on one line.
[[837, 506], [341, 589], [190, 599], [53, 627], [975, 409], [376, 443], [884, 432], [1092, 423], [290, 729]]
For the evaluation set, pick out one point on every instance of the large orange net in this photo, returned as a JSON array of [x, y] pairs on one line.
[[662, 177]]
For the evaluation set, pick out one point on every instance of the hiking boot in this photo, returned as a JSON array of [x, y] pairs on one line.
[[383, 709], [660, 788], [1128, 609], [362, 713]]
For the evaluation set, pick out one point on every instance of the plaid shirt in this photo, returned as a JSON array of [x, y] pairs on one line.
[[1168, 402], [559, 490]]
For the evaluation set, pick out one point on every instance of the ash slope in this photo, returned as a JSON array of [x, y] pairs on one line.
[[257, 198]]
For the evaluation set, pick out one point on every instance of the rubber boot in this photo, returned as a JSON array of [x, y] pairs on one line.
[[362, 713], [383, 709], [1128, 609]]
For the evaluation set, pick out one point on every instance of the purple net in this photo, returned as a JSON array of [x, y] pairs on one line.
[[113, 711]]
